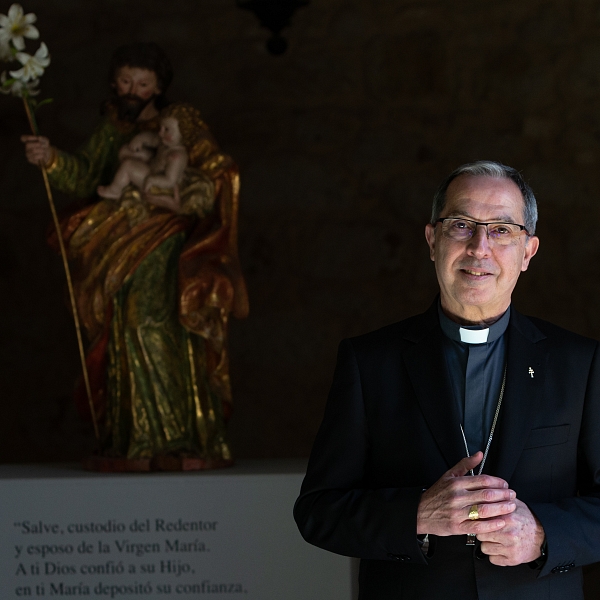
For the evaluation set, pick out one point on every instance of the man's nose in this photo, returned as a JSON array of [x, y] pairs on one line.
[[479, 244]]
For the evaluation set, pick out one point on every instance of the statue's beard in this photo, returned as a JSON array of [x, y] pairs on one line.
[[130, 107]]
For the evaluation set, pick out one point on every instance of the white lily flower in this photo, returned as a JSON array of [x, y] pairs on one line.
[[17, 87], [5, 52], [15, 26], [33, 66]]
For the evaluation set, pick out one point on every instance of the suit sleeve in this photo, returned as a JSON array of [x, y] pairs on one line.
[[336, 509], [572, 525]]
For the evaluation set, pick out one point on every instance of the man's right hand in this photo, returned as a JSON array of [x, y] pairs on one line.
[[37, 149], [444, 507]]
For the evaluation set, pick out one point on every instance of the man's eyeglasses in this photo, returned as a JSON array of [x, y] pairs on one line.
[[462, 230]]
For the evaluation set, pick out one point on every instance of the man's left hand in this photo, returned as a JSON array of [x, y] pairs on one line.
[[518, 542]]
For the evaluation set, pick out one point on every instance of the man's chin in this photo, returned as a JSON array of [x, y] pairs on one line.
[[131, 107], [482, 299]]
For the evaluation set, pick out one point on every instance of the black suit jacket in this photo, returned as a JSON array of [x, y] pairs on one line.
[[391, 429]]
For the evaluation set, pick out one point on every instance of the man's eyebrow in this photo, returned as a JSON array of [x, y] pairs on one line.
[[466, 215]]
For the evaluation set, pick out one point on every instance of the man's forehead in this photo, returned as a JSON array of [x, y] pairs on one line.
[[482, 197], [139, 72]]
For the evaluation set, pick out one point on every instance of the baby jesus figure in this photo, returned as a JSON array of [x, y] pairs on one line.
[[152, 160]]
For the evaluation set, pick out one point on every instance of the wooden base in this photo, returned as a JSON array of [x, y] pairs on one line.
[[106, 464]]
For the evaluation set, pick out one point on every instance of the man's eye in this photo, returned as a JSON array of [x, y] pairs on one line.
[[500, 230], [460, 225]]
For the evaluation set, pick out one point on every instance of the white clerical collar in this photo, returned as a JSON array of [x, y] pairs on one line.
[[473, 335]]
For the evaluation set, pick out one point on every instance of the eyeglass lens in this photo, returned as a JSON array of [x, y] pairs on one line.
[[464, 229]]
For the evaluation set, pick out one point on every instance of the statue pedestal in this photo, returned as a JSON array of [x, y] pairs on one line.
[[229, 533]]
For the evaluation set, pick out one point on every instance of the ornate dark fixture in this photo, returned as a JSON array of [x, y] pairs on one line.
[[275, 15]]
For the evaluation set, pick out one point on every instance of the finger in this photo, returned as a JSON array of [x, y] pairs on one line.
[[495, 509], [480, 482], [493, 549], [495, 537], [482, 527], [489, 496], [35, 140], [501, 560], [461, 468], [34, 147], [34, 158]]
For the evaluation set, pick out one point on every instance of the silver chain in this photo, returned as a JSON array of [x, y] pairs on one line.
[[489, 443], [471, 536]]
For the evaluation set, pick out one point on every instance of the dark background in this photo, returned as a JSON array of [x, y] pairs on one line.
[[341, 143]]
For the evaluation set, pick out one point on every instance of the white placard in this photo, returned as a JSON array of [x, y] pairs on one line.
[[65, 533]]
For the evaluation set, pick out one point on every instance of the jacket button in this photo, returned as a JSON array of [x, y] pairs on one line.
[[394, 556]]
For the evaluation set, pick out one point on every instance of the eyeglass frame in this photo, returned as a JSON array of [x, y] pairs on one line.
[[477, 223]]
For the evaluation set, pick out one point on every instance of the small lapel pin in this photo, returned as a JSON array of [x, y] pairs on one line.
[[531, 372]]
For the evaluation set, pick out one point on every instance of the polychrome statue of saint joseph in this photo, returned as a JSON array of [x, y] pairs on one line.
[[156, 275]]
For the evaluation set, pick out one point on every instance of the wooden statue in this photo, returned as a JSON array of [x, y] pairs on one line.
[[155, 271]]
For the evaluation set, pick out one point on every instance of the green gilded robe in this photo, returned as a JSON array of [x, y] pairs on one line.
[[159, 388]]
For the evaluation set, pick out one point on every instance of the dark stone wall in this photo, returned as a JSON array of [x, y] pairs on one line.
[[341, 143]]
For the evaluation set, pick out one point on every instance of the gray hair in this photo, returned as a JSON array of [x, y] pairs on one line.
[[489, 168]]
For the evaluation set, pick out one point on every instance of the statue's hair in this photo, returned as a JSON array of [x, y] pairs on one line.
[[191, 126], [144, 55], [489, 168]]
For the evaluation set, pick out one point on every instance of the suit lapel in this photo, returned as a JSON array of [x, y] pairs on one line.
[[428, 372], [522, 395]]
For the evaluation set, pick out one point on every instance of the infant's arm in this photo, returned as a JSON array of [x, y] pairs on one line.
[[146, 138], [139, 146]]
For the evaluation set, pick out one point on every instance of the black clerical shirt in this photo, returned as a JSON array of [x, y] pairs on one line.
[[475, 357]]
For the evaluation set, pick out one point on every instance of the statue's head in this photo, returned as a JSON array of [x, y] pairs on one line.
[[133, 65], [191, 126]]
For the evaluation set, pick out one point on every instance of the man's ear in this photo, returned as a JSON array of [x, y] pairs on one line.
[[430, 237], [531, 247]]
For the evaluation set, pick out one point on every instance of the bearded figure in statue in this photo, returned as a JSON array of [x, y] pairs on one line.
[[155, 272]]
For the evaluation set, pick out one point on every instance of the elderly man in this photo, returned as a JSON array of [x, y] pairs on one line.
[[459, 454]]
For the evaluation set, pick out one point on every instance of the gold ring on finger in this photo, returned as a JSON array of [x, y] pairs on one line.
[[473, 513]]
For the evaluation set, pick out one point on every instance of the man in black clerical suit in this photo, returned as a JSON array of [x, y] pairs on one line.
[[418, 409]]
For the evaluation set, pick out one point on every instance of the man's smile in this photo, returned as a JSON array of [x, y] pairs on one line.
[[475, 273]]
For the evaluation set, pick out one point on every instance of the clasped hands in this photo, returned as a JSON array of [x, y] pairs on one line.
[[508, 531]]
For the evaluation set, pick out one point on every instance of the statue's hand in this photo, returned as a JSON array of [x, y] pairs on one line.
[[38, 150]]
